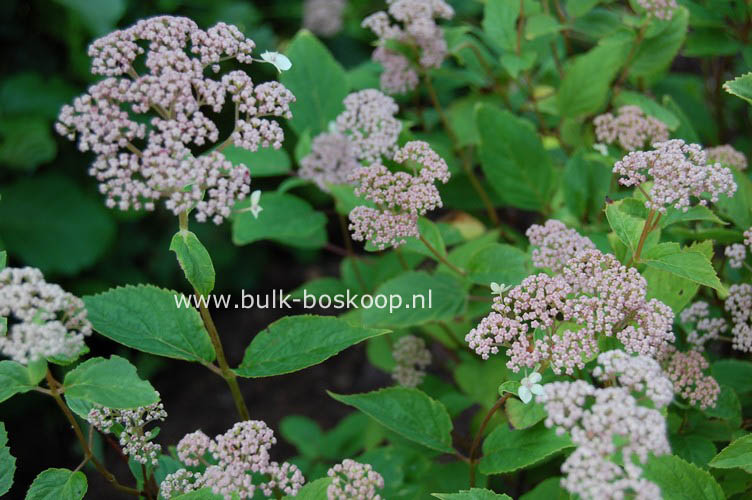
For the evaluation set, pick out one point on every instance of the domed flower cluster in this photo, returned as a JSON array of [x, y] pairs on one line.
[[411, 357], [727, 155], [363, 133], [556, 244], [238, 454], [661, 9], [737, 252], [705, 327], [354, 481], [558, 319], [679, 171], [613, 431], [144, 128], [631, 128], [46, 321], [686, 370], [134, 440], [739, 305], [400, 197], [419, 32], [323, 17]]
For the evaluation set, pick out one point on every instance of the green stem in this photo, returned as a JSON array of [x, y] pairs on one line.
[[441, 258], [479, 436], [646, 229]]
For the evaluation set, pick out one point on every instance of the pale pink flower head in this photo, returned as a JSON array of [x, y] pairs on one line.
[[702, 328], [323, 17], [411, 359], [661, 9], [556, 244], [739, 305], [631, 128], [686, 370], [369, 122], [727, 155], [679, 172], [352, 480], [332, 160], [44, 320], [145, 129]]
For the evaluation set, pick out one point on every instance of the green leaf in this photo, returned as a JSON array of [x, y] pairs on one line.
[[734, 373], [585, 87], [345, 199], [423, 297], [315, 490], [34, 94], [296, 342], [408, 412], [318, 82], [47, 222], [521, 415], [736, 454], [513, 159], [585, 184], [500, 23], [741, 86], [648, 105], [626, 226], [285, 218], [499, 263], [3, 259], [7, 462], [506, 450], [686, 129], [431, 232], [302, 432], [739, 207], [58, 484], [194, 260], [727, 406], [684, 262], [149, 319], [99, 18], [26, 142], [698, 212], [472, 494], [670, 289], [680, 480], [266, 162], [112, 383], [548, 489], [656, 52], [15, 378], [694, 449]]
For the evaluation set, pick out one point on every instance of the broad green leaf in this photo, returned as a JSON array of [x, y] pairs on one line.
[[736, 454], [649, 106], [432, 234], [195, 261], [694, 449], [345, 199], [680, 480], [296, 342], [315, 490], [152, 320], [302, 432], [112, 383], [461, 114], [521, 415], [513, 159], [684, 262], [318, 82], [34, 94], [58, 484], [585, 87], [47, 222], [698, 212], [585, 184], [686, 129], [26, 142], [421, 298], [711, 42], [739, 207], [734, 373], [408, 412], [266, 162], [473, 494], [539, 25], [480, 379], [670, 289], [3, 259], [99, 18], [548, 489], [7, 462], [15, 378], [499, 263], [285, 218], [500, 23], [506, 450], [727, 406], [741, 86], [626, 226], [656, 52], [578, 8]]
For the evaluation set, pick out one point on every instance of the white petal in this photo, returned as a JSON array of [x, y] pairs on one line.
[[255, 210], [537, 389], [255, 197], [525, 394], [534, 378], [280, 61]]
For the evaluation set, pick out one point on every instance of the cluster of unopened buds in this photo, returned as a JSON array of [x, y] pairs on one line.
[[727, 155], [419, 32], [593, 295], [737, 252], [613, 430], [661, 9], [411, 358], [631, 128], [352, 480], [323, 17], [705, 327], [135, 442], [237, 455], [143, 128], [46, 321], [686, 370], [679, 172], [739, 306]]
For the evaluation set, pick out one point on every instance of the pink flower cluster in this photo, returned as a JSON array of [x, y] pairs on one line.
[[737, 252], [686, 371], [365, 131], [661, 9], [560, 318], [45, 320], [237, 454], [705, 327], [556, 244], [610, 422], [400, 197], [352, 480], [142, 159], [727, 155], [134, 440], [418, 32], [679, 171], [411, 357], [323, 17], [631, 128], [739, 305]]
